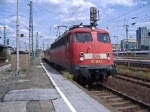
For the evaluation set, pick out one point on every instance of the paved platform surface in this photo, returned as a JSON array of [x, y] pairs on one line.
[[77, 97], [33, 91], [29, 92]]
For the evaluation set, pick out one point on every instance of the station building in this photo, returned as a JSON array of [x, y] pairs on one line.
[[143, 38], [129, 44]]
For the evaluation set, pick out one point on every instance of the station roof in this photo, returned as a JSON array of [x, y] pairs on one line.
[[20, 52], [3, 45], [130, 40]]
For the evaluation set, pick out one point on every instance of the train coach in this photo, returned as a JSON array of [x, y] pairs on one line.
[[84, 51]]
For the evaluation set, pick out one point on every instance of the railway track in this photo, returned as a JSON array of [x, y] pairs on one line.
[[118, 100], [134, 79], [134, 68], [2, 64], [133, 63]]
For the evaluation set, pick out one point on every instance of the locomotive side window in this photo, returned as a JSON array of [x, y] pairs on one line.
[[61, 42], [83, 37], [103, 38]]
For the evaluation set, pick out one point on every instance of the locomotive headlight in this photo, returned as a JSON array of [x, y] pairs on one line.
[[81, 58], [93, 28]]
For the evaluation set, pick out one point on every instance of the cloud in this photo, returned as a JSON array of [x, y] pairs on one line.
[[67, 10], [24, 31], [105, 3], [54, 2], [12, 21], [49, 13], [8, 29], [11, 24], [143, 24], [49, 37], [62, 3], [9, 21], [4, 2], [76, 20], [132, 33], [143, 2]]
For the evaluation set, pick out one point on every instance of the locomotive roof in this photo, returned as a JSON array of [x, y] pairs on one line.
[[85, 28], [89, 30], [82, 29]]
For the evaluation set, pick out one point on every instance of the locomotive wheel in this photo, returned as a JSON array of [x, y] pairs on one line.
[[104, 77], [81, 80]]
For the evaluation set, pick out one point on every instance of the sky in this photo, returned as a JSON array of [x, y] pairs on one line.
[[48, 14]]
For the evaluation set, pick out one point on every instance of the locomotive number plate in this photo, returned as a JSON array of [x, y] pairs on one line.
[[96, 61]]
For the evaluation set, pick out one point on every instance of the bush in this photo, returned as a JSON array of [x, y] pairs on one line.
[[68, 75], [24, 70], [138, 73], [6, 55]]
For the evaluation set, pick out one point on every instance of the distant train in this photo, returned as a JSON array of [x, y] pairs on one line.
[[84, 51]]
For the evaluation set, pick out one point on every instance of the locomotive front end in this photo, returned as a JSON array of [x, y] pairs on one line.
[[92, 55]]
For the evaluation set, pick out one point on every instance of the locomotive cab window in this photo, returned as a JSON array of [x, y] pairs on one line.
[[83, 37], [103, 38]]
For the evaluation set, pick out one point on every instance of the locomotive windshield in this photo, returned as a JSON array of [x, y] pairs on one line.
[[103, 38], [83, 37]]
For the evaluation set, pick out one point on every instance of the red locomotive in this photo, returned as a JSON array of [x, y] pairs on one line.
[[84, 51]]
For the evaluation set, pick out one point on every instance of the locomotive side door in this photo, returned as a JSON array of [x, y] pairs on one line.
[[68, 51]]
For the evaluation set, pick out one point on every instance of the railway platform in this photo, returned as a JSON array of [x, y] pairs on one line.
[[43, 89]]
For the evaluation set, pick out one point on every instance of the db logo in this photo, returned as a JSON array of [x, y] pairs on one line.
[[96, 56]]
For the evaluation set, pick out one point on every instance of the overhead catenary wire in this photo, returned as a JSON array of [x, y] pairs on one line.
[[142, 13], [59, 28], [57, 14], [76, 10], [141, 17], [44, 8], [125, 13], [114, 20]]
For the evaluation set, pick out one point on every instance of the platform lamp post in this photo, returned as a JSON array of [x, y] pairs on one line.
[[17, 38], [37, 42], [43, 45], [126, 27], [136, 46], [149, 42]]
